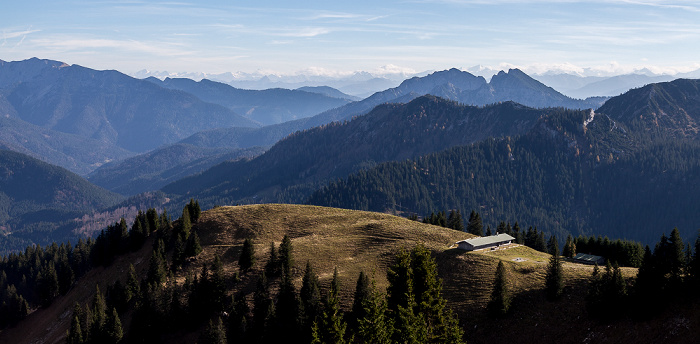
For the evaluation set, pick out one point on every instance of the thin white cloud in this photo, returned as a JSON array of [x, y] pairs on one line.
[[91, 44], [15, 34]]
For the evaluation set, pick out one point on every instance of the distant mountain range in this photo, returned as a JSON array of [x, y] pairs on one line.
[[271, 106], [451, 84], [107, 106]]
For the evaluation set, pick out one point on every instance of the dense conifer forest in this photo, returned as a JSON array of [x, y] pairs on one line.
[[564, 177]]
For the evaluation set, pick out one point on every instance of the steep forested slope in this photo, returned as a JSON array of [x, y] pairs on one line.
[[292, 168], [563, 176], [36, 198]]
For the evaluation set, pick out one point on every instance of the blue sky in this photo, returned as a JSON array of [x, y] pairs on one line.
[[343, 36]]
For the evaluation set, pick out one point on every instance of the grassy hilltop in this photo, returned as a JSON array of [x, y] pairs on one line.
[[355, 241]]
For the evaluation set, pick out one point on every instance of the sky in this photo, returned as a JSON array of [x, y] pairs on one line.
[[337, 37]]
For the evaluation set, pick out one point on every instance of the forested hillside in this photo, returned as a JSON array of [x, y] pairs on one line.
[[295, 166], [564, 176], [36, 199]]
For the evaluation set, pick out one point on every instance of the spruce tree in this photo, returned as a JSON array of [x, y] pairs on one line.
[[286, 260], [287, 311], [113, 331], [475, 225], [185, 222], [214, 333], [455, 221], [272, 265], [99, 317], [75, 334], [554, 281], [217, 282], [362, 293], [263, 309], [310, 296], [193, 246], [552, 245], [374, 326], [500, 297], [330, 327], [569, 247], [247, 258], [400, 277]]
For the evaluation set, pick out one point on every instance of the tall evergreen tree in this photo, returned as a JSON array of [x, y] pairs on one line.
[[455, 221], [286, 260], [475, 225], [272, 265], [400, 277], [214, 333], [287, 312], [310, 296], [554, 281], [263, 310], [362, 293], [113, 331], [330, 327], [552, 245], [374, 327], [500, 297], [569, 247], [185, 222], [75, 334], [247, 258]]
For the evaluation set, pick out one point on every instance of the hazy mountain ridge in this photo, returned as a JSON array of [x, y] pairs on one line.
[[153, 170], [269, 106], [109, 106], [76, 153]]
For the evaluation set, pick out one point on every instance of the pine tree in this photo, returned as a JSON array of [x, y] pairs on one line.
[[132, 284], [194, 210], [677, 258], [272, 265], [193, 247], [185, 222], [75, 334], [217, 282], [113, 332], [500, 297], [287, 312], [400, 277], [310, 295], [552, 245], [247, 258], [330, 327], [99, 317], [554, 281], [475, 225], [286, 260], [374, 326], [263, 309], [569, 247], [214, 333], [455, 221], [362, 293]]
